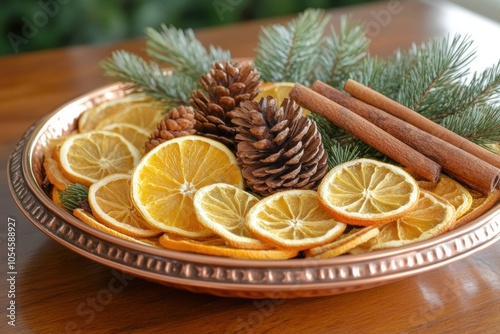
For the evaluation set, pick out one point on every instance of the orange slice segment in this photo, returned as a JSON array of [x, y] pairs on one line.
[[222, 208], [134, 134], [452, 191], [143, 115], [432, 217], [218, 247], [166, 179], [368, 192], [88, 157], [293, 219], [111, 204], [344, 243], [90, 220]]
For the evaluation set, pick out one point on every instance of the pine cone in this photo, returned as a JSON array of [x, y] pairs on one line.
[[178, 122], [225, 87], [278, 148]]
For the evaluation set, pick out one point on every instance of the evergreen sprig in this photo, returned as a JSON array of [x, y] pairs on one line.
[[342, 53], [182, 51], [290, 53], [430, 78], [168, 87], [75, 196]]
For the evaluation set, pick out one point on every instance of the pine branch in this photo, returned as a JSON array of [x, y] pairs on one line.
[[480, 124], [168, 88], [75, 196], [437, 64], [290, 53], [181, 50], [342, 53]]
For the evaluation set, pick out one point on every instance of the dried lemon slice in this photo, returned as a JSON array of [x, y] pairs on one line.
[[218, 247], [432, 217], [344, 243], [222, 208], [88, 157], [452, 191], [293, 219], [368, 192], [112, 206], [134, 134], [90, 220]]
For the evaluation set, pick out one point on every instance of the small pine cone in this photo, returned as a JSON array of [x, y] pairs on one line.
[[225, 87], [278, 148], [178, 122]]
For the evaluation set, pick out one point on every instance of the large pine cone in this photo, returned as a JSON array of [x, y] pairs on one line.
[[225, 87], [178, 122], [278, 148]]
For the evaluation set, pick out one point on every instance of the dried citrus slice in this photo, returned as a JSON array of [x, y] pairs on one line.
[[90, 220], [452, 191], [134, 134], [166, 179], [112, 206], [222, 208], [344, 243], [143, 115], [91, 117], [293, 219], [278, 90], [53, 173], [218, 247], [480, 204], [368, 192], [88, 157], [432, 217]]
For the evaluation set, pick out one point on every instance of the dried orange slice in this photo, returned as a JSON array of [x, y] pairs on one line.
[[278, 90], [222, 208], [88, 157], [134, 134], [91, 117], [452, 191], [218, 247], [344, 243], [432, 217], [90, 220], [54, 174], [112, 206], [166, 179], [293, 219], [368, 192], [143, 115], [480, 204]]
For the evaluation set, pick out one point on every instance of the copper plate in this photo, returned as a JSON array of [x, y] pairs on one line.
[[217, 275]]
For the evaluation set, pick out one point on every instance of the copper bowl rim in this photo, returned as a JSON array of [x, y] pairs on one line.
[[362, 271]]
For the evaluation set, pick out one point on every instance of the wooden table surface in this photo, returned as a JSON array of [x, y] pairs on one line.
[[57, 290]]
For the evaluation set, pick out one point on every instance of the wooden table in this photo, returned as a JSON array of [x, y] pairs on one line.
[[58, 291]]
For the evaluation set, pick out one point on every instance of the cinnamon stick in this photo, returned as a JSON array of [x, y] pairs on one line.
[[367, 132], [382, 102], [462, 165]]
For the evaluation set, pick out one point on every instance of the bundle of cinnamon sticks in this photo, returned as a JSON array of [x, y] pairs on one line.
[[419, 144]]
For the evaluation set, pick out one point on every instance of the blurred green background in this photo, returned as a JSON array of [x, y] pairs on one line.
[[27, 25]]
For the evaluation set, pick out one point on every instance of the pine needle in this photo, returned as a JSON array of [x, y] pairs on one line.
[[341, 53], [181, 50], [74, 196], [167, 87], [289, 53]]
